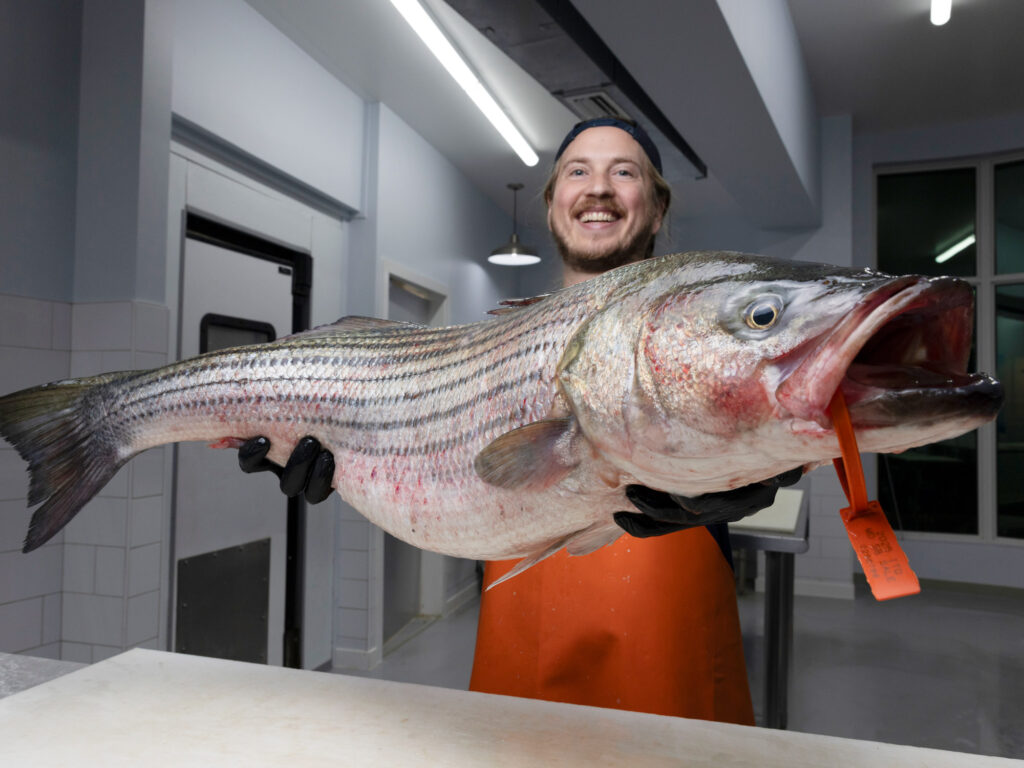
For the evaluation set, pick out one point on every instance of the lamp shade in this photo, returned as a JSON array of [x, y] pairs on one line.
[[513, 253]]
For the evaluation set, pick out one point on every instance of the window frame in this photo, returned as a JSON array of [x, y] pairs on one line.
[[985, 282]]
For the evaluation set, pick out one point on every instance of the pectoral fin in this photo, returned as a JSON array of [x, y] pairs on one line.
[[532, 457]]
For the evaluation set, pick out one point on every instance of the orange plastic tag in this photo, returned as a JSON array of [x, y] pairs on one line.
[[883, 560]]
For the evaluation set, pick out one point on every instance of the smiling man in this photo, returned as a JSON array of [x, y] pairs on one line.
[[650, 623], [606, 201]]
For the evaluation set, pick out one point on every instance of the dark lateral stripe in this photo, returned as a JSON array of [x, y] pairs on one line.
[[445, 445], [200, 404], [273, 357], [179, 392], [337, 399], [410, 422], [438, 446]]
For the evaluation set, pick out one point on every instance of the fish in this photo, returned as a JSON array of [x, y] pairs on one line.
[[516, 436]]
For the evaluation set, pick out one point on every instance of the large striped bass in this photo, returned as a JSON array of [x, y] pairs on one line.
[[516, 435]]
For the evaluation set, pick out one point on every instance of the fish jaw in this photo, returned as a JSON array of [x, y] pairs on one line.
[[900, 360]]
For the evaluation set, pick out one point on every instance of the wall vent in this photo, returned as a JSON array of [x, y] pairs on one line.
[[593, 103]]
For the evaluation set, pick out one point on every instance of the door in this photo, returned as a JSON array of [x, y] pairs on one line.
[[230, 530], [409, 302]]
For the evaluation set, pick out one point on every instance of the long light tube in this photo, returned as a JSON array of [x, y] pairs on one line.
[[431, 34], [954, 249], [941, 11]]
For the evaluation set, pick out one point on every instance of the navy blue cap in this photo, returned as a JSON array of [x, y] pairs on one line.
[[632, 129]]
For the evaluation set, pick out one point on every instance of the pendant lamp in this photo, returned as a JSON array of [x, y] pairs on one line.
[[513, 253]]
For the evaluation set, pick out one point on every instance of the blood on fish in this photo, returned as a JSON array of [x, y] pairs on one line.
[[227, 442]]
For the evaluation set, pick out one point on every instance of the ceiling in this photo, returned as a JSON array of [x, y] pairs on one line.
[[880, 61], [884, 63]]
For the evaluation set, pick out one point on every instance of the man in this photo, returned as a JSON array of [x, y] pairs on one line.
[[648, 623]]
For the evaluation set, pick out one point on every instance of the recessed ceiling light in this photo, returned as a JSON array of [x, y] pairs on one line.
[[941, 11]]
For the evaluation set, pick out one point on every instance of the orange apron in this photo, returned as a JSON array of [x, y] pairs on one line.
[[649, 625]]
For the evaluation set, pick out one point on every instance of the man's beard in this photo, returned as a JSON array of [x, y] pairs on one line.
[[635, 249]]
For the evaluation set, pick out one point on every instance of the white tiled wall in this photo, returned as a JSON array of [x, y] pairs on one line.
[[113, 548], [35, 342], [352, 591], [95, 589]]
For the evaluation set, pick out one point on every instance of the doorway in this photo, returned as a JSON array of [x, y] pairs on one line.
[[404, 606], [237, 540]]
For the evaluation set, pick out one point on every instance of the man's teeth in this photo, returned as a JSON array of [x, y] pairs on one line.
[[597, 216]]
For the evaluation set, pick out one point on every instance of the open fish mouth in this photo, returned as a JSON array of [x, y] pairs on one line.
[[900, 359]]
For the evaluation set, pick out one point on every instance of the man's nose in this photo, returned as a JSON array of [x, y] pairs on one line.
[[599, 185]]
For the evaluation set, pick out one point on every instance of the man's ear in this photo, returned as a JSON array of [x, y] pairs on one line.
[[658, 219]]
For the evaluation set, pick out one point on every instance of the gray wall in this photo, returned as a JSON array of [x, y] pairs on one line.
[[40, 46], [431, 220], [87, 96], [239, 78]]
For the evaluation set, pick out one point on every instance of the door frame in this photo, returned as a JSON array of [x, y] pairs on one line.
[[203, 184], [208, 230]]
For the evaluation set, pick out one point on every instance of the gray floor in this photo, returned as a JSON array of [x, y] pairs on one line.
[[20, 672], [943, 669]]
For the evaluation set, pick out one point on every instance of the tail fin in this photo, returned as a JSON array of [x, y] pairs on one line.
[[58, 429]]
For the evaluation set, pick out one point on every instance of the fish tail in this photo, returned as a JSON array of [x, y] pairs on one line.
[[59, 430]]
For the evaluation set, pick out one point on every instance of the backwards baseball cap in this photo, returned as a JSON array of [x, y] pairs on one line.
[[628, 126]]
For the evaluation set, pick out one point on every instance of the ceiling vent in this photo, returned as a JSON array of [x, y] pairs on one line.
[[590, 104]]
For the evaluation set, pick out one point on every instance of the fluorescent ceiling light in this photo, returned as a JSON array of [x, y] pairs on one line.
[[941, 11], [424, 26], [954, 249]]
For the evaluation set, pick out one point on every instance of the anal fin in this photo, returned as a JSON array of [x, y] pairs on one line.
[[593, 538], [581, 542]]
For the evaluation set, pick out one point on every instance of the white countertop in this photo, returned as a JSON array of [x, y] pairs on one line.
[[154, 708]]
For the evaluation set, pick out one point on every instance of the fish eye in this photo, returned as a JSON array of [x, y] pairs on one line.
[[763, 313]]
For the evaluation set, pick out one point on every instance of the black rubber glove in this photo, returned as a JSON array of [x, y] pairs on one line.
[[309, 470], [662, 513]]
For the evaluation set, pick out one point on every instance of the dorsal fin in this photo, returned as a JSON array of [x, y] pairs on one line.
[[348, 324], [363, 323], [511, 305]]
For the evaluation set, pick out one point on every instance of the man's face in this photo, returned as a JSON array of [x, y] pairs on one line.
[[602, 213]]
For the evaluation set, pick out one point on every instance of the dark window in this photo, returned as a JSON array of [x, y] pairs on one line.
[[221, 331]]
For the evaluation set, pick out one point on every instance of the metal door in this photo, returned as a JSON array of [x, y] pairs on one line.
[[219, 511]]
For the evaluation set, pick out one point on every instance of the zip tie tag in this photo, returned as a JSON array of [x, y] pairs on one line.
[[884, 562]]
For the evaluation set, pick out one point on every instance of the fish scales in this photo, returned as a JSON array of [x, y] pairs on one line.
[[514, 436], [404, 411]]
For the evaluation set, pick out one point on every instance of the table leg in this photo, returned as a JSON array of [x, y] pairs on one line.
[[778, 636]]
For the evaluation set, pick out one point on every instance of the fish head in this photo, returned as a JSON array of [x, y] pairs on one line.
[[736, 359]]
